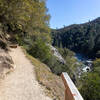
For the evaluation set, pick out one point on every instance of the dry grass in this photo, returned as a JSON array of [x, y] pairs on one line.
[[53, 83]]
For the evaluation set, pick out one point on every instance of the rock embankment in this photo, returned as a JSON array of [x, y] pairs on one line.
[[21, 84], [57, 54], [6, 63]]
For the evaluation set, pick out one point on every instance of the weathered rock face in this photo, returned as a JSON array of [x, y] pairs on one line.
[[57, 54], [6, 63]]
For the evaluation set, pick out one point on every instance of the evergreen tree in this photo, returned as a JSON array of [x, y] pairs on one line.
[[29, 16]]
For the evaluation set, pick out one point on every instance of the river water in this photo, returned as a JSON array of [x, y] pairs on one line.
[[81, 57], [86, 62]]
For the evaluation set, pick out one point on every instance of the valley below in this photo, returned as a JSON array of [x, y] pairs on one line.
[[86, 64], [83, 62]]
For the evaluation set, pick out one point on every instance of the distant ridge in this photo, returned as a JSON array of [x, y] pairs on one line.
[[84, 38]]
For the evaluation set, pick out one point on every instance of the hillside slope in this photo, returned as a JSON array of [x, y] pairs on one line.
[[21, 84], [84, 38]]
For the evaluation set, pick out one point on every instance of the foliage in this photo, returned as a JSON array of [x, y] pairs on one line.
[[96, 66], [25, 17], [28, 22], [56, 66], [71, 63], [91, 87], [84, 38], [91, 83], [66, 52], [40, 50]]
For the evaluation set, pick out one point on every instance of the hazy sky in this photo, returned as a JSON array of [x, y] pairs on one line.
[[66, 12]]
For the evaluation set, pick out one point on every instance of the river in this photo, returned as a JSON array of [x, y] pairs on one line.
[[86, 62], [81, 57]]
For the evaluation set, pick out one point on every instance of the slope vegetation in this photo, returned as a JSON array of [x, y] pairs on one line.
[[84, 38]]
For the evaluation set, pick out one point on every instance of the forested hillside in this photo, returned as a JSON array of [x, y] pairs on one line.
[[27, 22], [90, 89], [83, 38]]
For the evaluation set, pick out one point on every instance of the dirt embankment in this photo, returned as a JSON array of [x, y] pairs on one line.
[[6, 63], [21, 84]]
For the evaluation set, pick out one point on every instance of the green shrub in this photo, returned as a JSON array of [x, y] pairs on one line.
[[40, 50], [91, 83], [91, 87]]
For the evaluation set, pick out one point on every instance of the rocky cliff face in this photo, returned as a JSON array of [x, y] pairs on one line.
[[57, 54]]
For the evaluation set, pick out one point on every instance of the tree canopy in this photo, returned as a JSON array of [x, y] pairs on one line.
[[84, 38], [29, 16], [91, 83]]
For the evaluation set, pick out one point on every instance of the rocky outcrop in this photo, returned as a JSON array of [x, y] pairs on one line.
[[57, 54], [6, 63]]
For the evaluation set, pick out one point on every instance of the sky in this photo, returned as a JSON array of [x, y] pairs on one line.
[[67, 12]]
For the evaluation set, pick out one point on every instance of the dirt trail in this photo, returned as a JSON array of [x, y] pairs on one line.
[[21, 84]]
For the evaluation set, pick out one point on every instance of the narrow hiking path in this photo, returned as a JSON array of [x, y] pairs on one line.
[[21, 84]]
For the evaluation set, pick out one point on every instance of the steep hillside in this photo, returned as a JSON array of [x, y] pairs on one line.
[[84, 38], [53, 83], [21, 84]]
